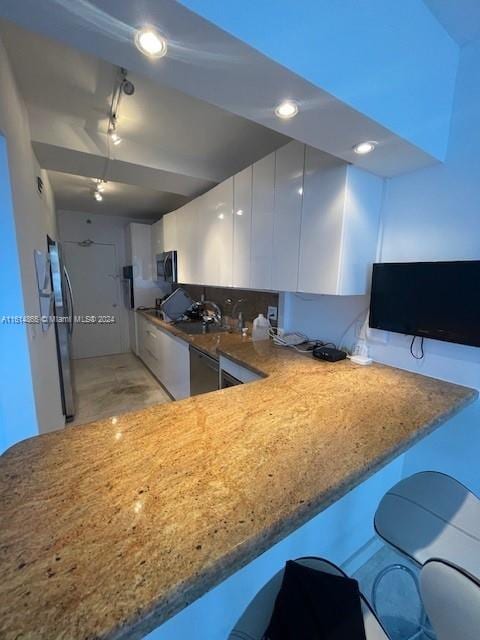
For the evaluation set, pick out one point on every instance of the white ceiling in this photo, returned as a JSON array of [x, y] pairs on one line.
[[174, 146], [210, 65], [460, 18], [75, 193]]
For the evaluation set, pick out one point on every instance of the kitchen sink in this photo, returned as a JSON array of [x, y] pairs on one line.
[[195, 328]]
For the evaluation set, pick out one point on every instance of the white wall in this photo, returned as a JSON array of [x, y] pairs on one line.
[[329, 318], [33, 218], [432, 214], [75, 226], [390, 60]]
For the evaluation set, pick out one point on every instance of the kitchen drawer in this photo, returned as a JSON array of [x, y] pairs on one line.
[[152, 339], [166, 356]]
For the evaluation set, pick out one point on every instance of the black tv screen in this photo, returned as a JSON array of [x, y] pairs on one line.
[[439, 300]]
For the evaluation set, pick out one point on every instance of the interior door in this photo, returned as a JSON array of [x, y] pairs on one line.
[[95, 286]]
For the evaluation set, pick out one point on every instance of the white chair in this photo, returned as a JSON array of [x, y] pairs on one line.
[[430, 515], [253, 623], [452, 600]]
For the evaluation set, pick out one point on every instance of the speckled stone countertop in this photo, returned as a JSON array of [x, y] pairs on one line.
[[110, 528]]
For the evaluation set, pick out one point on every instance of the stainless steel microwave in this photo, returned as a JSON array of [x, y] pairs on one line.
[[167, 266]]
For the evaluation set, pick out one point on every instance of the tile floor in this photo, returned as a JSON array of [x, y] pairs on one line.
[[111, 385], [397, 601]]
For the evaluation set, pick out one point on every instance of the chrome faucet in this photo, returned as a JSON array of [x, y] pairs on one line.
[[240, 318], [215, 316]]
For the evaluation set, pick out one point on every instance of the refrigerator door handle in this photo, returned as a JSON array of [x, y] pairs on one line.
[[70, 296]]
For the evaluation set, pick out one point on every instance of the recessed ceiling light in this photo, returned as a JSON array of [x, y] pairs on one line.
[[221, 216], [151, 43], [286, 109], [98, 196], [363, 148], [239, 212]]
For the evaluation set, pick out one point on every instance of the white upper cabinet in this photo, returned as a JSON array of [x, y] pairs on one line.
[[340, 217], [363, 203], [140, 242], [157, 243], [169, 229], [187, 242], [263, 185], [297, 220], [242, 228], [215, 235], [287, 215]]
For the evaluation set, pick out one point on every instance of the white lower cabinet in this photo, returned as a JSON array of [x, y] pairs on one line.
[[166, 356], [242, 374]]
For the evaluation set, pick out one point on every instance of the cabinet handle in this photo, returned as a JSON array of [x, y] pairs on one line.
[[150, 333]]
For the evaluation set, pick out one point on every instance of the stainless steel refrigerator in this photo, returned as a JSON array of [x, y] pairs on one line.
[[63, 310]]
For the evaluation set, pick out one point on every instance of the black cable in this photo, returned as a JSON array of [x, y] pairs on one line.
[[422, 353]]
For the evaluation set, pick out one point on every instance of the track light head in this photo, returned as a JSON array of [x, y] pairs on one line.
[[128, 87]]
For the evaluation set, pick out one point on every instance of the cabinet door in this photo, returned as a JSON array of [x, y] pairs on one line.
[[262, 222], [187, 242], [289, 163], [139, 334], [215, 235], [146, 334], [141, 245], [363, 201], [157, 238], [174, 363], [169, 221], [157, 244], [242, 228], [322, 220]]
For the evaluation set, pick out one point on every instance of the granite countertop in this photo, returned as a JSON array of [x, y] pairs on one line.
[[210, 343], [110, 528]]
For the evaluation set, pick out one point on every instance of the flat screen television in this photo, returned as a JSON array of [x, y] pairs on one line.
[[439, 300]]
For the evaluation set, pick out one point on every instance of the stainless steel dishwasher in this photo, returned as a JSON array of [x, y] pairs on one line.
[[204, 376]]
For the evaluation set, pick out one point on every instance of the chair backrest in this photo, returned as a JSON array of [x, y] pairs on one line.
[[452, 600], [255, 618]]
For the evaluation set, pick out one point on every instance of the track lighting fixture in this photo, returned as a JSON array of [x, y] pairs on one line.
[[122, 86], [114, 137]]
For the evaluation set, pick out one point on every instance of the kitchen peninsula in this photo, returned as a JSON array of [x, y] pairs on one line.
[[138, 515]]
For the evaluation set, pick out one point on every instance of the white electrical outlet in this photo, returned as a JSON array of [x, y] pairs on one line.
[[377, 336], [272, 313]]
